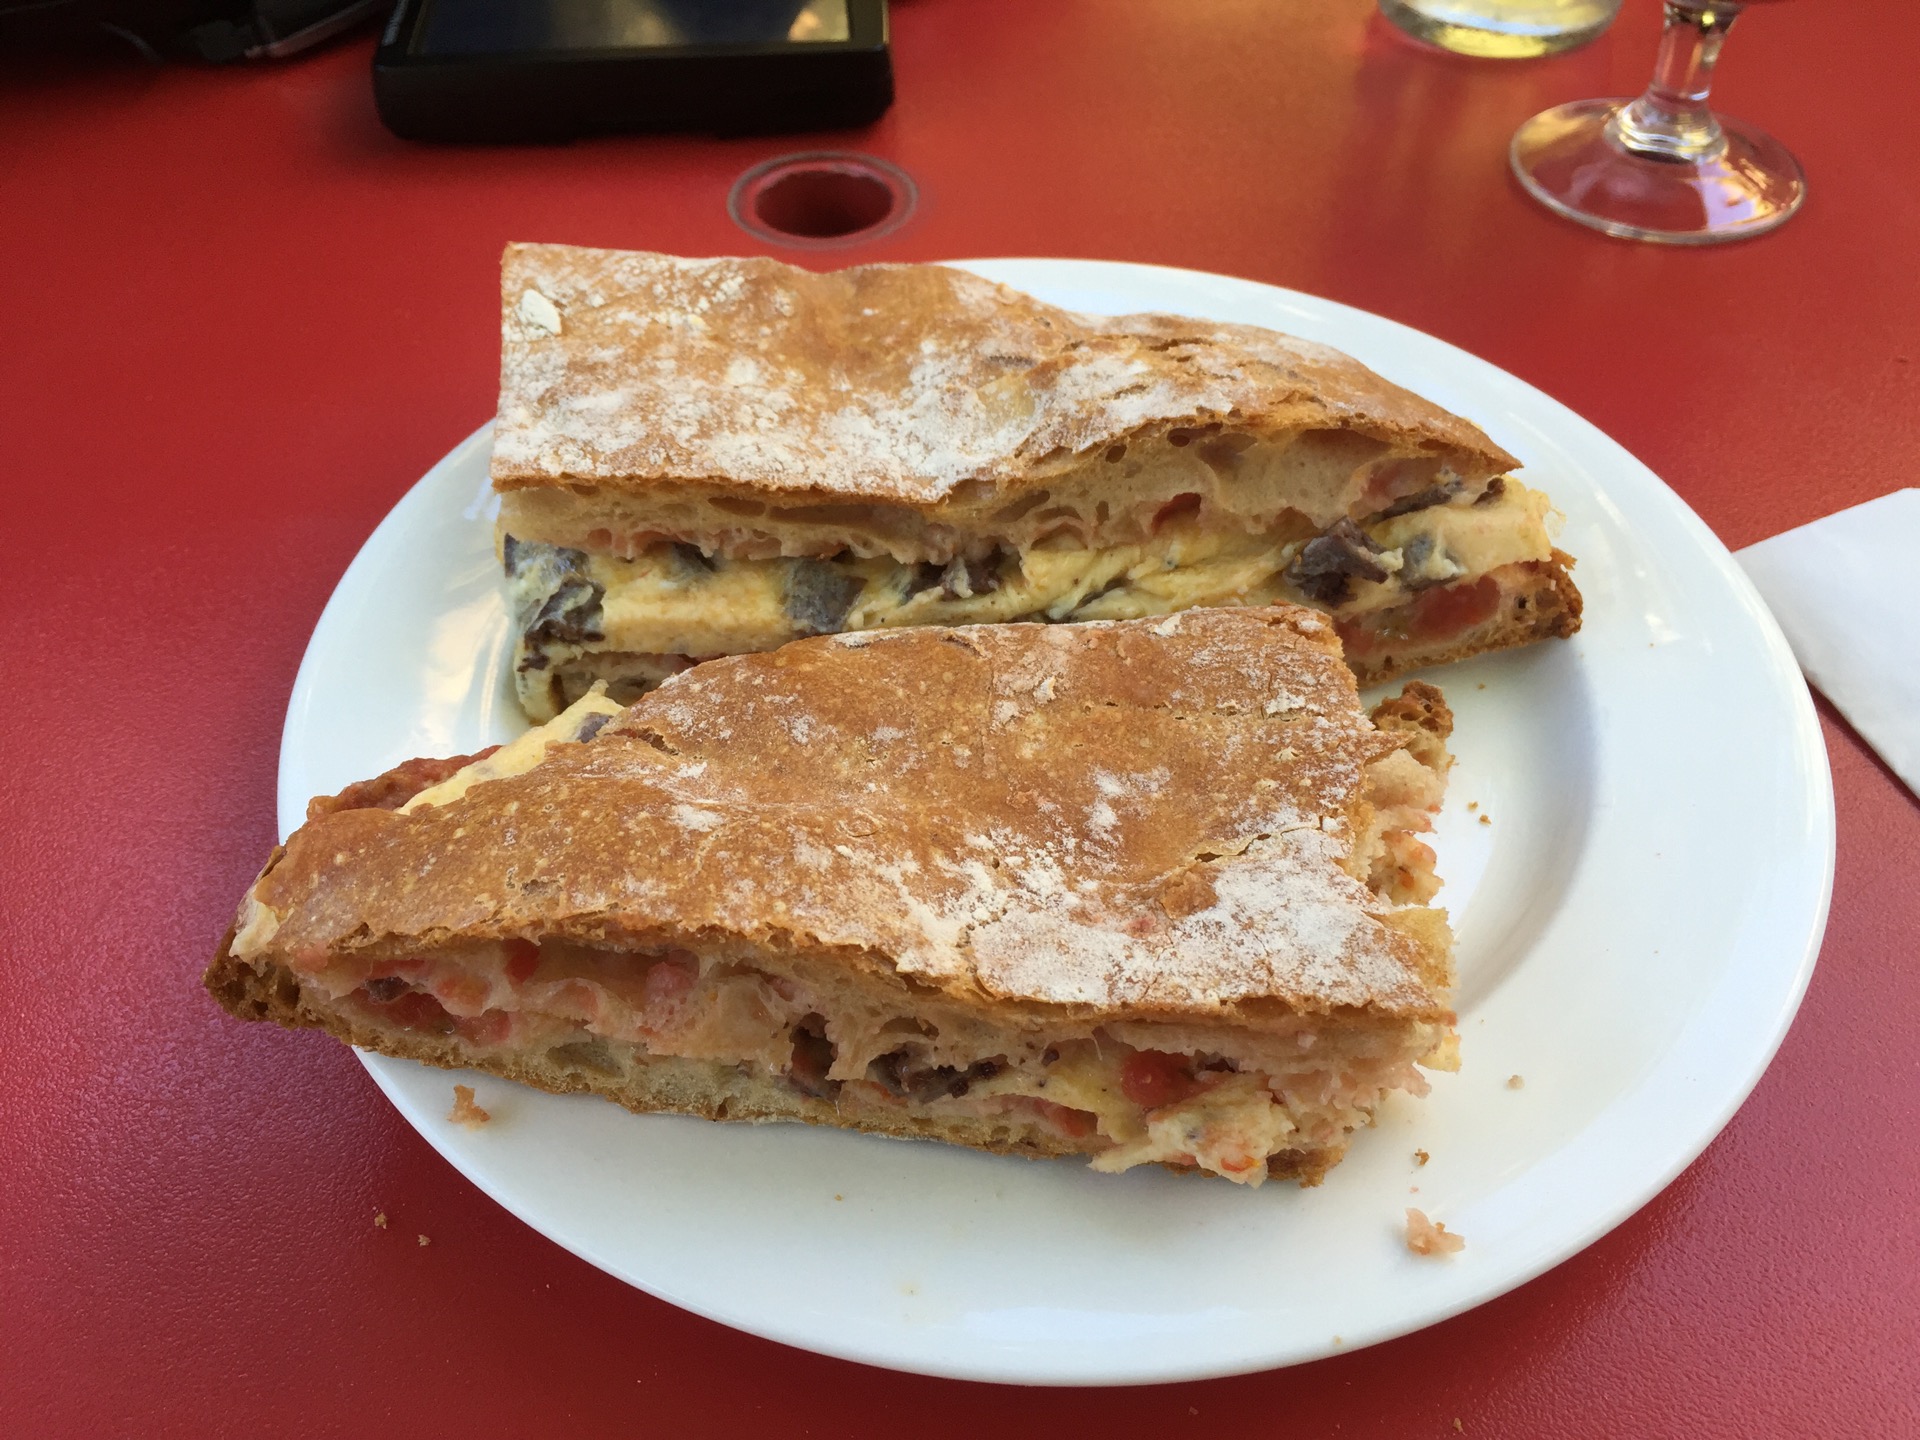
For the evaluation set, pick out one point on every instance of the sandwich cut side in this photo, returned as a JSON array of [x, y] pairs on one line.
[[1147, 891], [712, 457]]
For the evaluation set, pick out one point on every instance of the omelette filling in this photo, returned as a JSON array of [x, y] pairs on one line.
[[1231, 1104], [1432, 567]]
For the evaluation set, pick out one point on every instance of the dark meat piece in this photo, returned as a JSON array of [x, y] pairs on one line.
[[1496, 487], [898, 1075], [1423, 499], [692, 556], [813, 1056], [570, 616], [1414, 555], [395, 788], [590, 727], [1327, 565], [565, 608], [958, 579], [819, 595]]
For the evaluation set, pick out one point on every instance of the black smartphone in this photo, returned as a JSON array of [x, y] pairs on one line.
[[546, 70]]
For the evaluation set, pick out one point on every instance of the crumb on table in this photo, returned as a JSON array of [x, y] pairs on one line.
[[1430, 1237], [424, 1241], [380, 1219], [464, 1111]]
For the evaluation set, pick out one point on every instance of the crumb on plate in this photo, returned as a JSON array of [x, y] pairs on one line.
[[1420, 1157], [464, 1111], [1515, 1082], [1430, 1237]]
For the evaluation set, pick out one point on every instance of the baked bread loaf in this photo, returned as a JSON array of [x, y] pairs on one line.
[[710, 457], [1145, 891]]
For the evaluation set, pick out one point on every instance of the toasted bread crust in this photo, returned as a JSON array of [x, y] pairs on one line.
[[900, 383], [774, 802]]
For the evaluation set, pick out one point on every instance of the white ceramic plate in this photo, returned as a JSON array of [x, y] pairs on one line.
[[1636, 926]]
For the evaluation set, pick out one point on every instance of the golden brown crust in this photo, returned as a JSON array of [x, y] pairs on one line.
[[991, 812], [900, 383], [1419, 706], [649, 1085]]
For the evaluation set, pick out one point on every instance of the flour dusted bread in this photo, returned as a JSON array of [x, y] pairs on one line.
[[710, 457], [1146, 891]]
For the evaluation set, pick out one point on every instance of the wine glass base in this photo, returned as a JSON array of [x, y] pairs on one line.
[[1570, 161]]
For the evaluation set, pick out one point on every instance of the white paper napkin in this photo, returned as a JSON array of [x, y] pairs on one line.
[[1846, 590]]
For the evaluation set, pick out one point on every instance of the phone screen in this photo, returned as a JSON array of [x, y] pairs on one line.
[[502, 27]]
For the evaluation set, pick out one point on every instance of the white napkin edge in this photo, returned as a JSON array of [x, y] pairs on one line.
[[1845, 590]]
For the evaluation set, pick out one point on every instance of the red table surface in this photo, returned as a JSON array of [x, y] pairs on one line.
[[241, 320]]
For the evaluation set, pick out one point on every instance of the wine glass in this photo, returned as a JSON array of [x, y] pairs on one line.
[[1663, 167]]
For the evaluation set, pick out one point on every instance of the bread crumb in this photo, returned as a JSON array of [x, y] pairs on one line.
[[424, 1241], [1458, 1426], [1514, 1082], [465, 1112], [1430, 1237], [1473, 804], [380, 1219], [1420, 1157], [1486, 819], [839, 1197]]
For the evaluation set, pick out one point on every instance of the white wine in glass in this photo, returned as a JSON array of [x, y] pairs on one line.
[[1663, 167], [1502, 29]]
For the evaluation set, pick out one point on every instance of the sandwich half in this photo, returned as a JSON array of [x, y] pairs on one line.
[[1145, 891], [711, 457]]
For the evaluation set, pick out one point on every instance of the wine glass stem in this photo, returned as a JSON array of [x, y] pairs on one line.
[[1671, 120]]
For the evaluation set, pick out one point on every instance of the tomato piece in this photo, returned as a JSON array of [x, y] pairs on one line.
[[577, 1000], [310, 960], [670, 980], [489, 1027], [1454, 609], [1355, 638], [523, 958], [1075, 1124], [1153, 1078], [467, 993], [415, 1010]]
